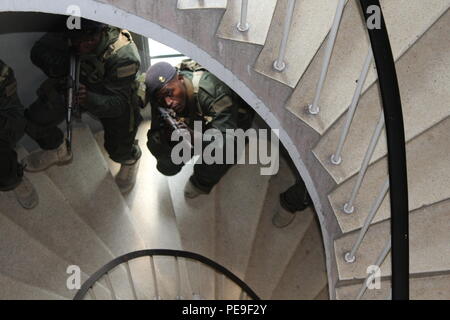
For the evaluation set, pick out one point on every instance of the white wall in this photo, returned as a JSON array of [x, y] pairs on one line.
[[15, 51]]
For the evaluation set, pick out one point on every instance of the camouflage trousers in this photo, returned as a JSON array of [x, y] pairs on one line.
[[12, 126], [45, 114]]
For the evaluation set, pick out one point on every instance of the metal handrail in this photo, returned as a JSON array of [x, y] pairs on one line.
[[279, 64], [88, 284], [395, 135]]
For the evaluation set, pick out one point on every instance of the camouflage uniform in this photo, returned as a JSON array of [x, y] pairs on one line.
[[217, 106], [110, 77], [12, 125]]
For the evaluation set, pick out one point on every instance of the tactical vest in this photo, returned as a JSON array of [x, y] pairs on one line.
[[93, 66]]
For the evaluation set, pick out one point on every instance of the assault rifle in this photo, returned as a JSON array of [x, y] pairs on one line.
[[73, 86], [173, 123]]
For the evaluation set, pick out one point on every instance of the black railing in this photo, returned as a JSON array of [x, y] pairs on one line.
[[395, 135], [162, 252]]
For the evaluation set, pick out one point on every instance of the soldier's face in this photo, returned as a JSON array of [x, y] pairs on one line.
[[86, 44], [173, 95]]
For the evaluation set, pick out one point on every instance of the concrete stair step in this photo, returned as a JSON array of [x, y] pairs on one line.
[[201, 4], [152, 210], [429, 249], [90, 189], [239, 204], [305, 276], [258, 26], [16, 290], [351, 48], [19, 251], [311, 23], [54, 224], [196, 224], [428, 179], [426, 66], [273, 247], [432, 287]]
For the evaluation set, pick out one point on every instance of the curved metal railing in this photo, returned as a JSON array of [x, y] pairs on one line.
[[124, 260]]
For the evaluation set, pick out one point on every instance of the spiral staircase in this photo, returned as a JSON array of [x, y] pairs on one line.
[[83, 219]]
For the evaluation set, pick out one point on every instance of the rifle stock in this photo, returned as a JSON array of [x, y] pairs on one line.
[[73, 109]]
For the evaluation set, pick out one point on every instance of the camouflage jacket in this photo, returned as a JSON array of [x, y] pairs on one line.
[[109, 73], [8, 89]]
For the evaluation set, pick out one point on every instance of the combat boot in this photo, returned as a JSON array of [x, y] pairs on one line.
[[191, 191], [126, 178], [43, 159], [26, 194]]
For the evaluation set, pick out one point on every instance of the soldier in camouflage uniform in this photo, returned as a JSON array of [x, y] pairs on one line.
[[12, 125], [193, 94], [108, 90]]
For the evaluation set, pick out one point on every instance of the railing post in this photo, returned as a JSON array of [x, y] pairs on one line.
[[348, 207], [378, 263], [336, 157], [155, 280], [110, 287], [314, 107], [243, 25], [130, 280], [178, 277], [279, 64], [350, 256], [92, 294]]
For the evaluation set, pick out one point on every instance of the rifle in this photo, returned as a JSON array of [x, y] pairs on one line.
[[73, 109], [172, 122]]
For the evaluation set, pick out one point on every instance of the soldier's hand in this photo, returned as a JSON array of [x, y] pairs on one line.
[[82, 95]]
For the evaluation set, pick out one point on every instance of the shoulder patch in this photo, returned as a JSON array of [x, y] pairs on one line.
[[221, 104], [127, 71]]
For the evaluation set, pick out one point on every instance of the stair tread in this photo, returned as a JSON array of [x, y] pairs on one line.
[[201, 4], [88, 186], [428, 179], [274, 247], [16, 290], [19, 251], [237, 216], [429, 249], [54, 224], [192, 216], [423, 288], [311, 22], [306, 274], [259, 28], [425, 66], [151, 206], [351, 48]]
